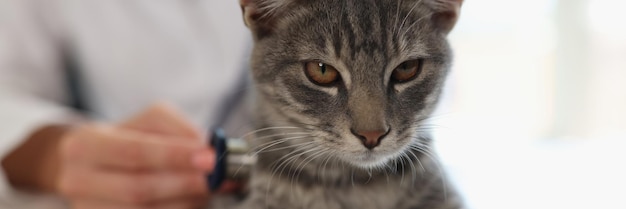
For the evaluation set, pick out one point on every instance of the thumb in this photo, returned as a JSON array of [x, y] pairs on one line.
[[163, 119]]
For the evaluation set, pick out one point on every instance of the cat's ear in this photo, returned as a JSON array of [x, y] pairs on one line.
[[260, 15], [446, 13]]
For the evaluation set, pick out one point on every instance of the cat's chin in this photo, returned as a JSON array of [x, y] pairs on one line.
[[369, 160]]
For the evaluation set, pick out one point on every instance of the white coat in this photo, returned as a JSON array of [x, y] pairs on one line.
[[127, 54]]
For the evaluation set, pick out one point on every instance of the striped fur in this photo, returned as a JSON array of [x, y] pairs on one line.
[[308, 157]]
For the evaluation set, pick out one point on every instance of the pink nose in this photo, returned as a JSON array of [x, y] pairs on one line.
[[370, 139]]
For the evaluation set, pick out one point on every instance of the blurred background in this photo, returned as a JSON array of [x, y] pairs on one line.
[[534, 111], [534, 114]]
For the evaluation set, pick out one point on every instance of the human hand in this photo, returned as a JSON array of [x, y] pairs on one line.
[[154, 160]]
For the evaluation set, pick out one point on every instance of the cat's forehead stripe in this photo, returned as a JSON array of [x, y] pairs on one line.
[[371, 30]]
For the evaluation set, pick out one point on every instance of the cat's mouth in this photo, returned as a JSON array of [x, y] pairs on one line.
[[377, 157]]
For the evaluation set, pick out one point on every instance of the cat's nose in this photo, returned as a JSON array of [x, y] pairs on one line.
[[370, 138]]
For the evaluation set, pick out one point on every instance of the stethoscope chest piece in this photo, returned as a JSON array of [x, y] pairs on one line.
[[233, 161]]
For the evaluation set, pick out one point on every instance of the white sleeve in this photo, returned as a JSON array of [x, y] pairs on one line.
[[32, 91]]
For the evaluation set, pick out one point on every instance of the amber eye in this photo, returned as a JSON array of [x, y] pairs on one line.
[[407, 71], [320, 73]]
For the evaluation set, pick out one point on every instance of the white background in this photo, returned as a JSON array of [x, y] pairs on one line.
[[534, 114]]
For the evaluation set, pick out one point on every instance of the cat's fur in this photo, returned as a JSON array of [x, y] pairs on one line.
[[308, 157]]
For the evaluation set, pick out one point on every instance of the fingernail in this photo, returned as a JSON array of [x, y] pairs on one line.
[[204, 160]]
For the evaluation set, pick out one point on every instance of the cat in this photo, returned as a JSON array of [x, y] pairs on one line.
[[343, 89]]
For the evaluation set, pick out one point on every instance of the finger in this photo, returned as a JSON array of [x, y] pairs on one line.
[[118, 148], [229, 187], [163, 119], [178, 204], [134, 189]]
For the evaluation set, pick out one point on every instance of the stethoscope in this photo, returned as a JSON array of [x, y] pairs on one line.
[[233, 161]]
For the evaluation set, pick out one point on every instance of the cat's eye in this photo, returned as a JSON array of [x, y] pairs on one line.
[[407, 71], [321, 73]]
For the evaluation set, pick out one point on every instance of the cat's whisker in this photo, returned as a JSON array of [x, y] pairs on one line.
[[369, 174], [286, 158], [294, 158], [279, 134], [310, 157], [274, 143], [430, 118], [427, 125], [389, 164], [407, 160], [352, 176], [304, 163], [268, 129], [271, 150], [269, 8], [321, 167], [407, 16], [275, 169], [309, 126], [287, 147], [423, 170], [274, 140], [415, 23], [329, 156], [291, 121], [424, 149], [412, 170], [395, 25], [419, 163], [440, 115], [297, 148], [387, 175]]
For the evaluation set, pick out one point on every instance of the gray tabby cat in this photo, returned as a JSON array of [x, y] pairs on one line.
[[343, 90]]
